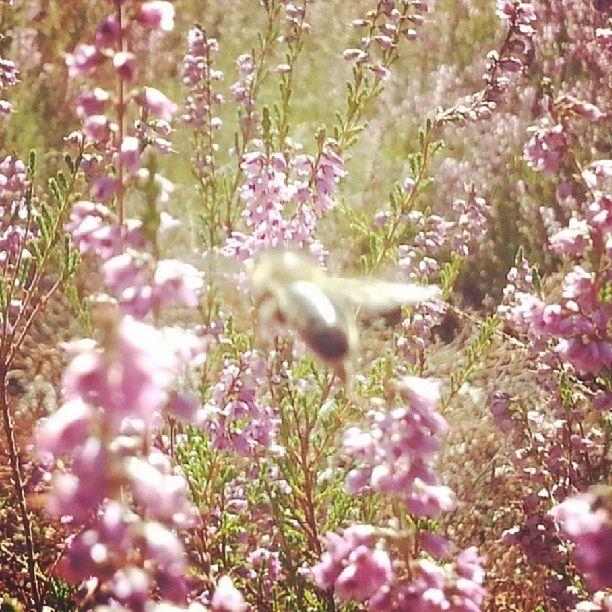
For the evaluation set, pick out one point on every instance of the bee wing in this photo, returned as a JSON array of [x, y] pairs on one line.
[[375, 295]]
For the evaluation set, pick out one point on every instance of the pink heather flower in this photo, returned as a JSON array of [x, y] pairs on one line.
[[92, 229], [78, 494], [6, 108], [83, 60], [381, 218], [64, 429], [103, 188], [434, 544], [546, 148], [588, 355], [227, 598], [136, 384], [183, 406], [452, 586], [165, 495], [392, 456], [177, 282], [156, 14], [128, 275], [366, 571], [125, 64], [97, 128], [571, 240], [589, 525], [156, 102], [92, 102], [585, 110], [108, 33], [130, 153], [131, 587], [235, 418], [358, 55], [338, 549], [328, 173], [9, 75]]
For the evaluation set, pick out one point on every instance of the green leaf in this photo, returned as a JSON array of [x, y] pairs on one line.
[[63, 181], [53, 186], [32, 161]]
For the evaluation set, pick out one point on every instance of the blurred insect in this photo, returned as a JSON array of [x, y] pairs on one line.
[[289, 289]]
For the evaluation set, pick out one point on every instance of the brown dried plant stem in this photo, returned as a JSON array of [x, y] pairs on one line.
[[13, 453]]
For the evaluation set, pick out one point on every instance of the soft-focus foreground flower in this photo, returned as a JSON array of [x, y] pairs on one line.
[[351, 566], [113, 394], [586, 520], [227, 598], [452, 586]]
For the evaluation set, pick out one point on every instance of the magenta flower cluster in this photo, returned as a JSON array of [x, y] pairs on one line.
[[9, 76], [271, 185], [393, 456]]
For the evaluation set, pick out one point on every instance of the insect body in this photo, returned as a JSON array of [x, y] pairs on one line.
[[290, 289]]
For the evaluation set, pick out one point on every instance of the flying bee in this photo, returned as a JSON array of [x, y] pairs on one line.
[[290, 289]]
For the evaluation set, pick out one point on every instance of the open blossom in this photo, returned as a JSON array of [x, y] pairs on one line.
[[546, 148]]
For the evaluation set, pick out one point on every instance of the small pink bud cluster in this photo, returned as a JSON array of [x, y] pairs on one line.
[[265, 570], [235, 417], [546, 149], [94, 230], [16, 230], [141, 284], [243, 94], [295, 20], [499, 403], [87, 57], [13, 188], [156, 110], [538, 536], [463, 235], [268, 190], [198, 76], [355, 569], [394, 454], [577, 326], [384, 27], [9, 76], [520, 18]]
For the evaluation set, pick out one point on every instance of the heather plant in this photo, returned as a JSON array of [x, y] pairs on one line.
[[200, 455]]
